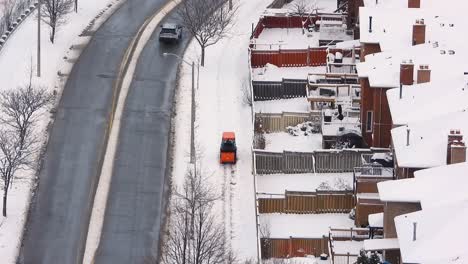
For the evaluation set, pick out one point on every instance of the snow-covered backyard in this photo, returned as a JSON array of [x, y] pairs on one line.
[[286, 38], [299, 105], [284, 141], [303, 182], [272, 73], [17, 60], [304, 225]]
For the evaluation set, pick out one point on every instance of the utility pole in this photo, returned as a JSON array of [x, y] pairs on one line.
[[39, 39]]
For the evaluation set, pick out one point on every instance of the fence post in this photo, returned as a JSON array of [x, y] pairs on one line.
[[290, 247], [351, 235]]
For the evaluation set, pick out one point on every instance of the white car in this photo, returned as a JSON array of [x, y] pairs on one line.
[[170, 32]]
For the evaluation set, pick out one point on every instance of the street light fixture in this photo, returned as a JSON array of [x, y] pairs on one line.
[[192, 128]]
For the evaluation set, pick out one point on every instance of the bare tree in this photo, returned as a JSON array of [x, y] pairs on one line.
[[15, 154], [20, 108], [207, 20], [195, 235], [265, 238], [7, 12], [55, 12], [247, 93], [304, 8]]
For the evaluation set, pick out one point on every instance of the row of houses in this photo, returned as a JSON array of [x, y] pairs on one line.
[[371, 124], [413, 82]]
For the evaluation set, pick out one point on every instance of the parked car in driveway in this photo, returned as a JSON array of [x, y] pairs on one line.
[[170, 32]]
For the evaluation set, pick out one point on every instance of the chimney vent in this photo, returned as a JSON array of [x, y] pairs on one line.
[[370, 24], [406, 73], [414, 230], [424, 74], [414, 3], [456, 148], [407, 136], [419, 32], [401, 90]]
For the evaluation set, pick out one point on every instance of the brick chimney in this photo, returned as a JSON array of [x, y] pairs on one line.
[[406, 73], [424, 74], [456, 148], [414, 3], [419, 32]]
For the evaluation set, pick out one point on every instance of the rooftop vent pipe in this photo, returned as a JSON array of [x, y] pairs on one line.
[[407, 136], [414, 230], [370, 24]]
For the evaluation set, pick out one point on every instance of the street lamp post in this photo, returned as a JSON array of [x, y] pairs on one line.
[[39, 39], [192, 127]]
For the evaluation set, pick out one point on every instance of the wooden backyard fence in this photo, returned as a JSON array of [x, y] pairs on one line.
[[293, 247], [287, 88], [277, 122], [289, 58], [318, 202], [320, 161], [337, 235]]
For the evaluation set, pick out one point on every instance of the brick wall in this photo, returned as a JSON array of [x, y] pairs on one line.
[[393, 209], [369, 48]]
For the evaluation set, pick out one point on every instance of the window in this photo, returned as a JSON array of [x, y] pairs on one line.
[[369, 121]]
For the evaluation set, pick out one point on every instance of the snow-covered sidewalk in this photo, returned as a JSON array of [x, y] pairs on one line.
[[17, 59], [220, 108]]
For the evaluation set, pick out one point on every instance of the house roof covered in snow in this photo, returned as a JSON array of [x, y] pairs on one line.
[[398, 191], [383, 69], [428, 100], [427, 144], [379, 244], [442, 22], [449, 181], [439, 237]]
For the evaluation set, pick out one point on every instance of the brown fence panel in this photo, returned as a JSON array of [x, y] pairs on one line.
[[277, 122], [270, 205], [293, 247], [293, 58], [301, 204], [317, 57], [283, 22], [308, 203]]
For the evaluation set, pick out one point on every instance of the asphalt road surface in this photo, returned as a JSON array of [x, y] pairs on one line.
[[59, 219], [134, 211]]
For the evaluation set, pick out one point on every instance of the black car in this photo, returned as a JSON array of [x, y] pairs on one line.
[[170, 33]]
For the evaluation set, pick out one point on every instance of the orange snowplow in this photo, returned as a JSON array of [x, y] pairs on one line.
[[228, 150]]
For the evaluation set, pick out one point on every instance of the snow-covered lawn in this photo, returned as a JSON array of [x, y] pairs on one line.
[[273, 73], [304, 225], [307, 182], [298, 105], [17, 58], [286, 38], [220, 108], [284, 141]]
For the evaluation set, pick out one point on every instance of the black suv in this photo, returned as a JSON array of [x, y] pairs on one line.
[[170, 33]]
